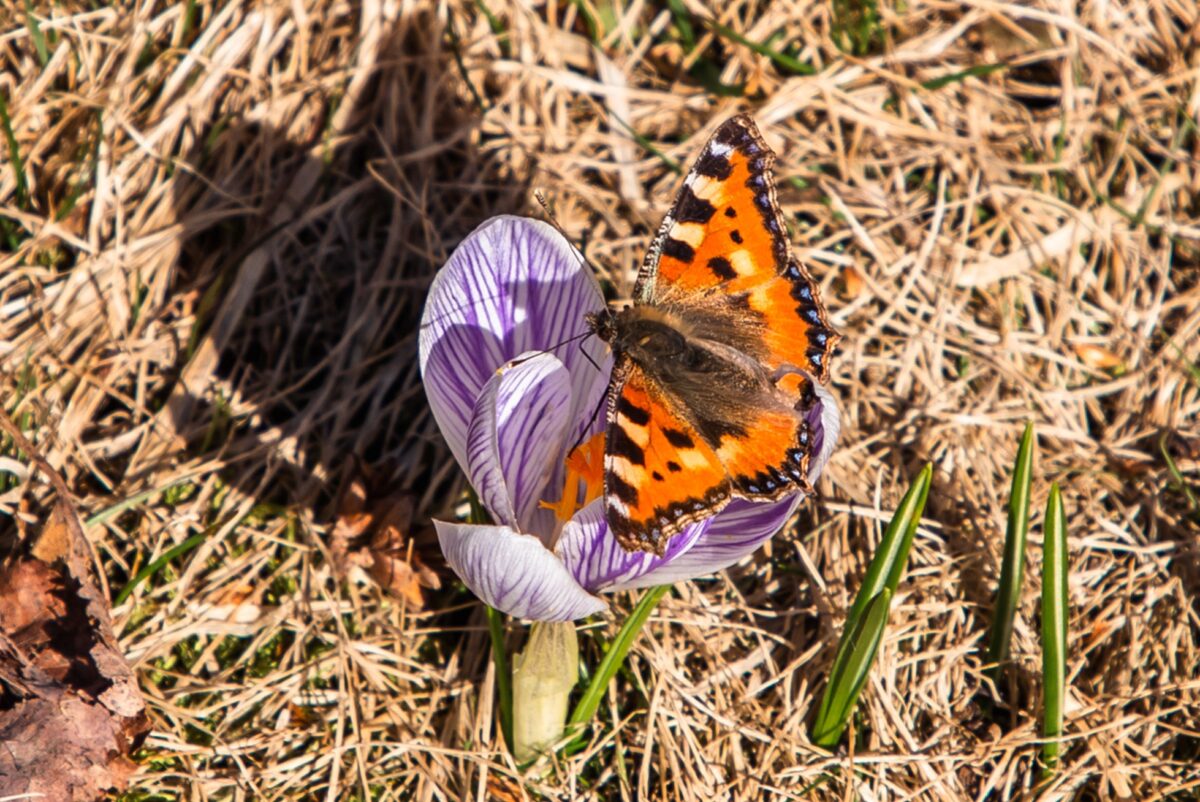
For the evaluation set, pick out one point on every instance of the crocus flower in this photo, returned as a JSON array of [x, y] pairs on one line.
[[515, 385]]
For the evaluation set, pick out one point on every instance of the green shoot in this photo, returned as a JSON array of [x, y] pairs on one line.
[[1054, 628], [1177, 475], [504, 690], [856, 28], [788, 64], [35, 33], [21, 190], [868, 615], [156, 566], [1013, 568]]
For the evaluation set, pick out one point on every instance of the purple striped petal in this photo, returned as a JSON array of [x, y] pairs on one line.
[[738, 530], [514, 573], [514, 285], [515, 440], [742, 527], [593, 556]]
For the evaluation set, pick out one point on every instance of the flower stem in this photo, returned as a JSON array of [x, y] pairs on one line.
[[615, 656], [504, 690]]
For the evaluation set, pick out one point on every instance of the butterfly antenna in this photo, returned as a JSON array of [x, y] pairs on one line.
[[573, 338], [588, 357], [550, 218], [541, 199]]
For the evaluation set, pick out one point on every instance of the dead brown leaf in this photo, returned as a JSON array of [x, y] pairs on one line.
[[1094, 356], [70, 710], [395, 563], [853, 283], [373, 531]]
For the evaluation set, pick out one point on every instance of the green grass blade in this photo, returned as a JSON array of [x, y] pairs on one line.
[[888, 564], [1054, 627], [1177, 475], [156, 566], [586, 708], [978, 71], [855, 26], [849, 673], [1012, 570], [108, 513], [788, 64], [589, 20], [464, 73], [683, 22], [35, 33], [504, 691], [21, 191], [497, 27], [942, 81], [882, 579], [647, 145]]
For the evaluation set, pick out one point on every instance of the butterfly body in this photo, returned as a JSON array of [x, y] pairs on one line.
[[715, 361]]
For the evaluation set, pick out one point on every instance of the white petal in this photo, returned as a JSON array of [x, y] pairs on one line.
[[735, 532], [514, 573], [829, 422]]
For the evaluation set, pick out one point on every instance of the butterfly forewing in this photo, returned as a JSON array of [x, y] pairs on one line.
[[725, 233]]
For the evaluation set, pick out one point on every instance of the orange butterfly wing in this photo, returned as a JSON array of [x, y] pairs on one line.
[[721, 257], [769, 460], [659, 473], [725, 234]]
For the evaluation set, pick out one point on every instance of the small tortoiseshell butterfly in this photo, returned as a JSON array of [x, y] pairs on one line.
[[716, 356]]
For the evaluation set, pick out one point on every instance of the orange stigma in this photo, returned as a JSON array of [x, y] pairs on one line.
[[585, 464]]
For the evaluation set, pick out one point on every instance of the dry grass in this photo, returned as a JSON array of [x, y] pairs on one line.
[[224, 320]]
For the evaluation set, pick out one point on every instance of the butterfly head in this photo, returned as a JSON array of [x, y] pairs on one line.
[[603, 324], [644, 333]]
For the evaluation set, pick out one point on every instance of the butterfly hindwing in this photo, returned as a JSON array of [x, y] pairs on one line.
[[797, 331], [659, 473], [770, 460]]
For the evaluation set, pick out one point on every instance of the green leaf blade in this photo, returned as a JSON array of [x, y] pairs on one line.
[[850, 670], [864, 623], [1012, 570], [504, 689], [1054, 627], [786, 63], [888, 564], [614, 657]]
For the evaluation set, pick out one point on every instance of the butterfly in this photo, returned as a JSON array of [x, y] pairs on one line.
[[716, 357]]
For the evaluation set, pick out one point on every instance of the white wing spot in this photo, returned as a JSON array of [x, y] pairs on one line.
[[706, 188], [742, 262], [615, 503], [691, 233]]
